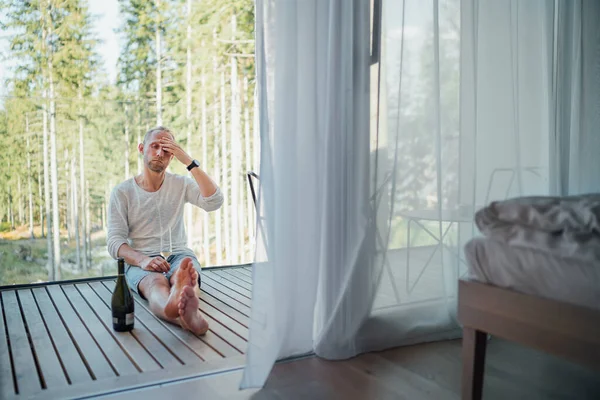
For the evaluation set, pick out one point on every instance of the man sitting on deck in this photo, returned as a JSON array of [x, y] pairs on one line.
[[145, 219]]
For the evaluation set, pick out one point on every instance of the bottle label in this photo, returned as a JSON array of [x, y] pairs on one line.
[[129, 318]]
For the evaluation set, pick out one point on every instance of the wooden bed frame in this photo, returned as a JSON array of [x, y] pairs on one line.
[[558, 328]]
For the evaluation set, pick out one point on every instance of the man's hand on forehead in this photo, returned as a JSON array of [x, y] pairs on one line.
[[168, 144]]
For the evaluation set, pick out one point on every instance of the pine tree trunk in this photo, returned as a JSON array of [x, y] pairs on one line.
[[205, 230], [126, 142], [75, 207], [40, 197], [224, 174], [29, 190], [81, 206], [54, 167], [19, 201], [69, 215], [217, 172], [109, 185], [47, 200], [159, 120], [188, 112], [88, 236], [103, 215], [139, 138], [236, 154], [10, 208], [248, 165]]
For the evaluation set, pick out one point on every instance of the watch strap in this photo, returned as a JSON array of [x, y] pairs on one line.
[[193, 165]]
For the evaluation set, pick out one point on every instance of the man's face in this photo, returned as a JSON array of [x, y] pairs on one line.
[[155, 157]]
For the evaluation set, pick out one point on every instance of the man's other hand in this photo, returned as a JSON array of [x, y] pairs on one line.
[[156, 264]]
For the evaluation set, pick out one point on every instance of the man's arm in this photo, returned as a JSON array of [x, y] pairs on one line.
[[205, 183], [135, 258]]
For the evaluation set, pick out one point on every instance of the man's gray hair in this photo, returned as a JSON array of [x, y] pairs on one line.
[[157, 129]]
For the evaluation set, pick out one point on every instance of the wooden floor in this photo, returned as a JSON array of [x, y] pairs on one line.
[[57, 341], [427, 371]]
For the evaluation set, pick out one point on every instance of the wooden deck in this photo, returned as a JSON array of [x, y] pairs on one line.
[[57, 341]]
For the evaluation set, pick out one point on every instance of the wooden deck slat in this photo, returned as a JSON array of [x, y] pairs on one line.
[[28, 381], [238, 274], [234, 279], [149, 341], [94, 358], [225, 319], [243, 300], [166, 336], [94, 342], [226, 309], [234, 342], [6, 379], [227, 303], [246, 271], [217, 343], [48, 360], [72, 362], [230, 284], [128, 344]]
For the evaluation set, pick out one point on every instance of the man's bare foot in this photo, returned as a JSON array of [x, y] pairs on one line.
[[193, 274], [181, 278], [189, 315]]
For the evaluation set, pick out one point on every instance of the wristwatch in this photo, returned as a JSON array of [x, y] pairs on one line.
[[193, 165]]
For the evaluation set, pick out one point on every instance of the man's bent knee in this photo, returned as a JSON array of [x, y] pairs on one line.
[[150, 282]]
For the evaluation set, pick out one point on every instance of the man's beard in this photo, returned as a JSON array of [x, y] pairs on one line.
[[156, 166]]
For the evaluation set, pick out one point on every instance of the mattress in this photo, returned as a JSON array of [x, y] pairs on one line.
[[535, 272]]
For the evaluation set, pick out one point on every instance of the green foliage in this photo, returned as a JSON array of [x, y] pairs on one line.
[[138, 59]]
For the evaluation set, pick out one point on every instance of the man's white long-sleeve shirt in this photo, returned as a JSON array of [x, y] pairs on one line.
[[153, 221]]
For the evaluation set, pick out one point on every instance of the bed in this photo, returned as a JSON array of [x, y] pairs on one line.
[[528, 297]]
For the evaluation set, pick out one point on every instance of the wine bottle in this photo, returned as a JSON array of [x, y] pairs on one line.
[[122, 302]]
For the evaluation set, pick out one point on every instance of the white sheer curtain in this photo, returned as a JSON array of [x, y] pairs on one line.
[[480, 101], [313, 60], [476, 101]]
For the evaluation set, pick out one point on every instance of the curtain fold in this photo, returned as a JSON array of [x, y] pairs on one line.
[[313, 60]]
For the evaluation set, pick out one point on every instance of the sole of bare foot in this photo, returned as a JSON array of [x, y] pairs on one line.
[[189, 315], [181, 278]]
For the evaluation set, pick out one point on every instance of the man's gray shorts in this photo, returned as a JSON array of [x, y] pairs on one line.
[[134, 274]]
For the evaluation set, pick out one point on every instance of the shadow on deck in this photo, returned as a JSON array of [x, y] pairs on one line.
[[62, 334]]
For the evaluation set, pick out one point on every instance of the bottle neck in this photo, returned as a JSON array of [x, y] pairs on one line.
[[121, 268]]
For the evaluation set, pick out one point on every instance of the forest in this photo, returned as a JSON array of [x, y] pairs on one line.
[[69, 134]]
